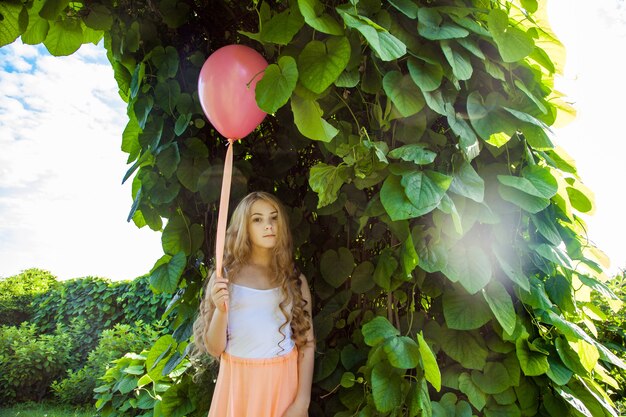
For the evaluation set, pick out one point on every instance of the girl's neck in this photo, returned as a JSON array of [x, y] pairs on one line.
[[261, 257]]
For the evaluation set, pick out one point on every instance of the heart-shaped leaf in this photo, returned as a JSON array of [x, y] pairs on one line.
[[277, 85], [321, 63]]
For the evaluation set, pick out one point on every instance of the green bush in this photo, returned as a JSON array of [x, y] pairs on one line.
[[30, 362], [77, 387], [100, 302], [611, 330], [90, 305], [17, 293], [153, 383]]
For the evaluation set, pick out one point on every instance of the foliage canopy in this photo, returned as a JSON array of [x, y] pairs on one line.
[[432, 213]]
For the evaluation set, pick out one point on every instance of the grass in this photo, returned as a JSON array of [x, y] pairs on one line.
[[46, 410]]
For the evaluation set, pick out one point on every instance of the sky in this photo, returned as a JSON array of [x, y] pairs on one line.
[[63, 207]]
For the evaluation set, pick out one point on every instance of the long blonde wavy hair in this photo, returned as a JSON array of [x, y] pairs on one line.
[[286, 276]]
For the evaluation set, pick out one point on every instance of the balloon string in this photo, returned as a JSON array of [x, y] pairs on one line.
[[220, 241]]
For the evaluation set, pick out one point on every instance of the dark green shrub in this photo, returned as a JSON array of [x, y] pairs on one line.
[[17, 293], [30, 362], [77, 387]]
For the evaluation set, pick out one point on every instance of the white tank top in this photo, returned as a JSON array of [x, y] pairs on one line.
[[254, 320]]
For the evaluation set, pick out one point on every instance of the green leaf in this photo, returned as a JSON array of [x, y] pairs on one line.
[[362, 278], [395, 201], [532, 361], [469, 265], [501, 305], [402, 352], [403, 92], [537, 187], [126, 384], [558, 373], [498, 410], [37, 29], [314, 16], [431, 26], [64, 37], [137, 79], [545, 225], [321, 63], [36, 32], [425, 189], [180, 236], [151, 135], [468, 183], [166, 94], [174, 13], [458, 60], [530, 5], [408, 7], [347, 380], [409, 257], [473, 392], [99, 17], [386, 387], [487, 118], [166, 273], [159, 353], [385, 267], [348, 79], [377, 331], [559, 289], [142, 109], [429, 362], [415, 153], [525, 117], [53, 8], [277, 85], [168, 159], [513, 43], [130, 138], [494, 379], [387, 46], [573, 400], [463, 311], [465, 348], [307, 116], [467, 137], [426, 75], [326, 181], [182, 123], [336, 267], [282, 27], [327, 365], [526, 201], [131, 37], [166, 59]]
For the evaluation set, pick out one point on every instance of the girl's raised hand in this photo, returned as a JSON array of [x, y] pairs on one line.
[[219, 293]]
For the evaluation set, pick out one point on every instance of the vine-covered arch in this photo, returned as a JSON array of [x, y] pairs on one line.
[[431, 211]]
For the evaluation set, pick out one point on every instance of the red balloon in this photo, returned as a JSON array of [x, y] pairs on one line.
[[226, 89]]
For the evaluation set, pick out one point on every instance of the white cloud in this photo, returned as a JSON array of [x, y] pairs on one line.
[[62, 205]]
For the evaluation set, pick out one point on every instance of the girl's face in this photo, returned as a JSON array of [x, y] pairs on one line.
[[263, 225]]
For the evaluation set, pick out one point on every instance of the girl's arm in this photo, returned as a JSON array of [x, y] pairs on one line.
[[306, 356], [215, 334]]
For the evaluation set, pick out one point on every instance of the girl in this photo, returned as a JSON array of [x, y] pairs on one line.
[[257, 319]]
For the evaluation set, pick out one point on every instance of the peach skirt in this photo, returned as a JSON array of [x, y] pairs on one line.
[[255, 387]]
